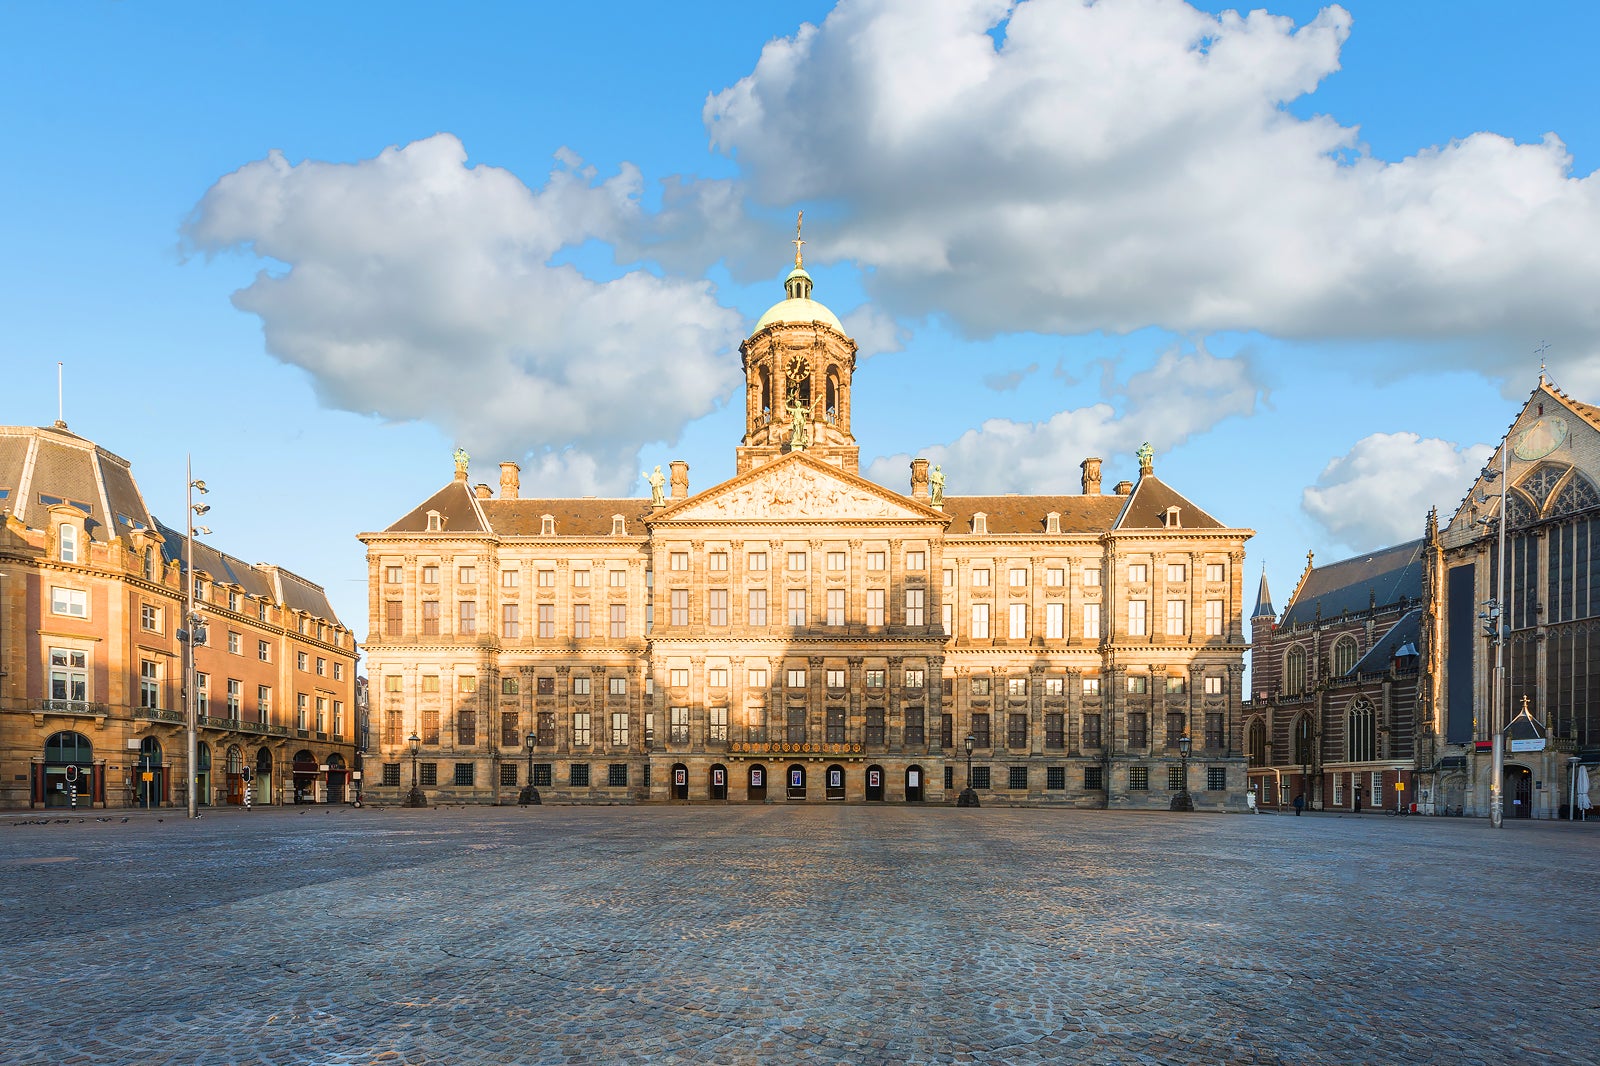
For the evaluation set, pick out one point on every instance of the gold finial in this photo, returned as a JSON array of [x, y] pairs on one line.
[[1539, 351], [797, 242]]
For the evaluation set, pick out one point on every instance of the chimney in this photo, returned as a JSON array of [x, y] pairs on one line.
[[919, 479], [680, 479], [1124, 488], [510, 483], [1091, 476], [482, 491]]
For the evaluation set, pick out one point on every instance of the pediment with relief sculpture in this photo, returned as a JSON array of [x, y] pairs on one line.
[[797, 488]]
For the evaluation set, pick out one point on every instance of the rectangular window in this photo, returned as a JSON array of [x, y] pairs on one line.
[[510, 627], [508, 579], [1017, 778], [467, 683], [1138, 729], [914, 729], [877, 560], [1016, 731], [508, 729], [1055, 576], [678, 561], [980, 730], [1176, 685], [1176, 617], [836, 560], [680, 607], [1055, 621], [980, 577], [717, 677], [1016, 686], [545, 728], [1055, 731], [915, 679], [1216, 572], [1139, 779], [980, 777], [263, 703], [393, 618], [717, 562], [580, 621], [678, 677], [835, 607], [757, 611], [1091, 686], [875, 606], [617, 775], [391, 775], [833, 728], [756, 562], [393, 575], [1055, 686], [430, 574], [617, 579], [235, 697], [915, 614], [1136, 618], [235, 643], [980, 686], [755, 724], [150, 617], [543, 776], [430, 774], [980, 621], [875, 679], [509, 686], [1176, 573], [430, 723], [835, 679], [302, 716], [580, 728], [547, 579], [1091, 621], [916, 560], [1091, 577], [1091, 730], [547, 620], [580, 578], [797, 561], [717, 725], [149, 684], [1094, 779], [322, 667], [466, 725], [508, 775], [71, 602], [949, 579], [619, 621], [1175, 778], [430, 618], [947, 612], [1017, 615], [1138, 573], [1213, 735], [578, 774], [302, 661], [619, 729], [1213, 618], [430, 683], [678, 725], [1214, 685], [795, 725], [797, 607], [1138, 683], [875, 726], [1216, 779], [1018, 577], [546, 686], [756, 678], [796, 678], [947, 730], [580, 685]]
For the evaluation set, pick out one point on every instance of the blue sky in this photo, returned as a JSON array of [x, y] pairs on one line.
[[1281, 251]]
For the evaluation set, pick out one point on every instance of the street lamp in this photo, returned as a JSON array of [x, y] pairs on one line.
[[529, 793], [1183, 801], [191, 636], [416, 798], [1497, 625], [969, 797]]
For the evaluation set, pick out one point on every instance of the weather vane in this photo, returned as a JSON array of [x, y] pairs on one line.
[[797, 242]]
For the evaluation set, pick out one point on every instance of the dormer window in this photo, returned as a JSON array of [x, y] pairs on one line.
[[1052, 522], [1173, 521], [435, 522], [547, 525], [67, 542], [980, 523], [619, 527]]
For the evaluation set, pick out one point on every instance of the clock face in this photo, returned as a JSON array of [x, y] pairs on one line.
[[1541, 438], [798, 368]]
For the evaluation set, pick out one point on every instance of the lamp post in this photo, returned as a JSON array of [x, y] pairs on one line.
[[1183, 801], [969, 797], [529, 793], [415, 798], [1497, 626], [191, 637]]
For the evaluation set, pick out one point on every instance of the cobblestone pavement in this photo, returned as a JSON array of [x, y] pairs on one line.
[[815, 935]]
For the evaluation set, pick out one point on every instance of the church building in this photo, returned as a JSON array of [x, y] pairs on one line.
[[799, 633]]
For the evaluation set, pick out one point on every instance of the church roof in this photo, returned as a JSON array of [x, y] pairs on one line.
[[1402, 635], [1356, 584], [1263, 600]]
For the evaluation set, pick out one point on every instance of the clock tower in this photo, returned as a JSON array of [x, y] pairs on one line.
[[798, 366]]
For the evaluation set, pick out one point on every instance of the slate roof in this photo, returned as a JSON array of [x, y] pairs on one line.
[[1263, 601], [457, 508], [261, 580], [1148, 505], [1354, 584], [1026, 514], [39, 465], [586, 517], [1406, 631]]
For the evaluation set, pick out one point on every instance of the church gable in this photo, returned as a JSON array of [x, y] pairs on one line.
[[798, 488]]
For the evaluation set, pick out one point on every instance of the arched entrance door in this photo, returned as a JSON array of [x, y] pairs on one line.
[[914, 784], [1518, 786], [757, 789], [835, 782], [874, 784], [67, 777], [202, 774], [337, 776], [305, 777], [235, 771], [680, 781], [796, 789], [151, 779], [719, 782], [263, 781]]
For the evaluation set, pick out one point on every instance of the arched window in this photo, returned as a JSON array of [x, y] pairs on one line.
[[1542, 482], [68, 748], [765, 380], [1361, 734], [831, 408], [1344, 656], [1304, 741], [1294, 671], [1256, 745], [1577, 495]]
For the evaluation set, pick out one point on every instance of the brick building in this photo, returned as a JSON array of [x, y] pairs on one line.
[[798, 632], [91, 662]]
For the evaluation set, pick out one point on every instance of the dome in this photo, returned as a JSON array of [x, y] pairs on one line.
[[799, 308]]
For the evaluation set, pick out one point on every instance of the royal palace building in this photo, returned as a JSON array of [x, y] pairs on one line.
[[92, 649], [799, 633]]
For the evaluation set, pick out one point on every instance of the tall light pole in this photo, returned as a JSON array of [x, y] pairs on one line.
[[415, 798], [192, 619], [969, 795], [1183, 801], [1497, 625]]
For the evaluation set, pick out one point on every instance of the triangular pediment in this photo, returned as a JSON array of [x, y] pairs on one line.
[[798, 488]]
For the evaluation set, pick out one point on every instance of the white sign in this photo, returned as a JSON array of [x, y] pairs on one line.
[[1528, 744]]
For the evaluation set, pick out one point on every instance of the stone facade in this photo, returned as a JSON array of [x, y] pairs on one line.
[[801, 633], [92, 694]]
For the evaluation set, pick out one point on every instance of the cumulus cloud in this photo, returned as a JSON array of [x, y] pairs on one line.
[[1183, 394], [874, 332], [1010, 380], [1379, 492], [1064, 166], [418, 287]]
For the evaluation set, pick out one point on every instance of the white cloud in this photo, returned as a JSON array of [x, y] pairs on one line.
[[874, 332], [1183, 394], [1378, 493], [1010, 380], [1129, 163], [418, 287]]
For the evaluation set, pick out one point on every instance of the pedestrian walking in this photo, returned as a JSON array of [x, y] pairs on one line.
[[1299, 804]]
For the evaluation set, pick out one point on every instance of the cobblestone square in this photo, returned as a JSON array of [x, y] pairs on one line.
[[836, 934]]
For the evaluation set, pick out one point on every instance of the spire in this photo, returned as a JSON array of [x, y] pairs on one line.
[[1263, 599], [800, 216]]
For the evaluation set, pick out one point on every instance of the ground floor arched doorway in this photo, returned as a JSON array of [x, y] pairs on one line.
[[796, 789], [66, 777], [719, 782], [150, 783], [263, 782], [202, 774], [1518, 792], [756, 791], [834, 782], [680, 781], [337, 776], [914, 784], [305, 777], [233, 761], [874, 784]]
